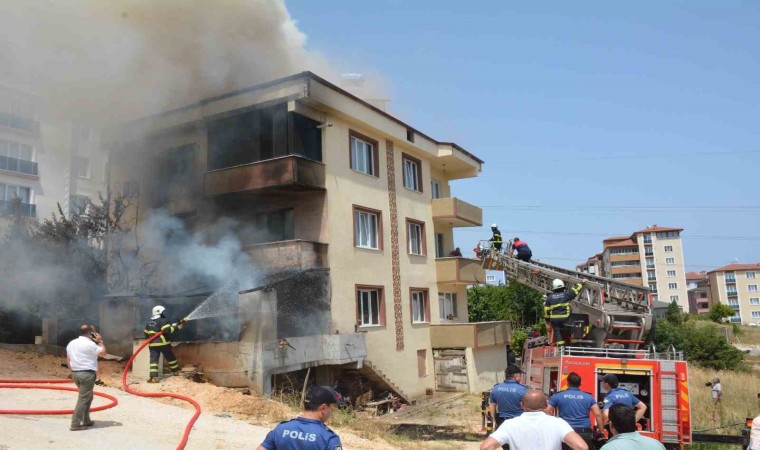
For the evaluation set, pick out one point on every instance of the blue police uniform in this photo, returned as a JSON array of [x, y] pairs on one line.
[[574, 406], [302, 434], [507, 396], [620, 396]]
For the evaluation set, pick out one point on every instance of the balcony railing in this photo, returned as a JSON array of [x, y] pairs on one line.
[[457, 212], [732, 293], [730, 280], [18, 165], [458, 270], [287, 172], [293, 254], [25, 209], [470, 335], [19, 123]]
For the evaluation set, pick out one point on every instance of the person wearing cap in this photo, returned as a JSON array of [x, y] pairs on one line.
[[504, 402], [534, 430], [307, 431], [717, 390], [523, 251], [618, 396], [574, 405], [624, 434], [496, 239]]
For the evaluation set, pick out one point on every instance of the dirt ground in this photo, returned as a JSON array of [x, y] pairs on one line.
[[230, 420]]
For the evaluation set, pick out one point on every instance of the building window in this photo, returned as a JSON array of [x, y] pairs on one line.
[[364, 156], [668, 248], [733, 302], [670, 261], [651, 275], [415, 236], [653, 287], [672, 273], [752, 287], [754, 301], [410, 135], [273, 226], [648, 238], [439, 245], [83, 167], [422, 363], [750, 274], [732, 291], [756, 314], [736, 318], [9, 192], [730, 277], [622, 264], [667, 234], [672, 285], [17, 157], [490, 278], [674, 298], [650, 263], [623, 251], [412, 173], [367, 228], [78, 204], [447, 305], [435, 188], [648, 250], [654, 297], [420, 306], [369, 306]]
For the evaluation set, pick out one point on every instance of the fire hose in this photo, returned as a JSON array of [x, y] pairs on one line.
[[38, 384]]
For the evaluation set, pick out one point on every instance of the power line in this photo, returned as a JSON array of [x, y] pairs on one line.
[[571, 233], [628, 208], [640, 156]]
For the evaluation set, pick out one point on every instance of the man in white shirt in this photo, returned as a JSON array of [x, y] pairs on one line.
[[82, 355], [534, 430], [754, 432], [717, 390]]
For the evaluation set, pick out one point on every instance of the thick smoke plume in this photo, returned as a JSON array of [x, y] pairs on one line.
[[119, 59]]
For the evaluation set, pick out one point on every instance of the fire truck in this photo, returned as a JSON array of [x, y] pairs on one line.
[[609, 321]]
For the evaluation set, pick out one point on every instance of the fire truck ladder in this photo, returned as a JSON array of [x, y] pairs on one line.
[[619, 313]]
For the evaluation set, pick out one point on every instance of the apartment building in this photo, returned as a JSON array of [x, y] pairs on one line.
[[320, 181], [736, 285], [592, 266], [45, 162], [651, 257], [698, 290]]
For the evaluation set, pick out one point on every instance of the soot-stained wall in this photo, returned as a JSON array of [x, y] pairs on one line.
[[303, 304]]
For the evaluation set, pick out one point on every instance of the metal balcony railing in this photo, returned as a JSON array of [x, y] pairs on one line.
[[19, 123], [25, 209], [18, 165]]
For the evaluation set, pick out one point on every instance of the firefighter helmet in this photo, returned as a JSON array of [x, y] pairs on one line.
[[158, 310], [557, 284], [493, 225]]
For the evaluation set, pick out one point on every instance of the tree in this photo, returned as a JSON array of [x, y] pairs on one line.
[[520, 304], [719, 311]]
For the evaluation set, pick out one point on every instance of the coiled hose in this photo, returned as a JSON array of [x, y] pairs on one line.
[[36, 384]]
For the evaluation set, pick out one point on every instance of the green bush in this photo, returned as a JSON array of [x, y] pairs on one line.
[[719, 311]]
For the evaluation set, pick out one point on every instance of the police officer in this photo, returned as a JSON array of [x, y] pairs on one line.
[[574, 406], [496, 239], [506, 397], [558, 306], [617, 396], [163, 344], [307, 431]]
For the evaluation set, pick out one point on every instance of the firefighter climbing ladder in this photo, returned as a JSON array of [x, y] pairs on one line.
[[619, 313]]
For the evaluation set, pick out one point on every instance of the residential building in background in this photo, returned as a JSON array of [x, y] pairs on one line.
[[651, 257], [318, 181], [45, 162], [698, 290], [737, 285], [592, 265]]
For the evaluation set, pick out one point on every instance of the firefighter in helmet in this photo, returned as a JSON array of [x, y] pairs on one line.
[[161, 345], [496, 239], [557, 307]]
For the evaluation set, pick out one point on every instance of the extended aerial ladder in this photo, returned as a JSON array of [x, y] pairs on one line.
[[606, 313]]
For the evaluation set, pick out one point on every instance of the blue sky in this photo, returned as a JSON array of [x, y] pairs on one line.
[[594, 118]]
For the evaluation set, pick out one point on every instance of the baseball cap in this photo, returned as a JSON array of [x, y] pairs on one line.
[[321, 394], [513, 369], [611, 379]]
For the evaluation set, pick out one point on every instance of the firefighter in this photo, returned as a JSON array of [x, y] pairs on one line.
[[574, 406], [523, 251], [163, 344], [558, 306], [506, 397], [616, 395], [496, 239]]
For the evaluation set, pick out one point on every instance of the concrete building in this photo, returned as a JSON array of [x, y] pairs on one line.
[[45, 162], [651, 257], [698, 290], [736, 285], [592, 266], [320, 181]]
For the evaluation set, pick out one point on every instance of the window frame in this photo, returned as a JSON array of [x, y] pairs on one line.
[[756, 301], [671, 273], [673, 298], [79, 160], [426, 305], [752, 288], [670, 261], [454, 309], [404, 158], [423, 243], [381, 319], [672, 285], [755, 314], [379, 215], [375, 153], [668, 247], [747, 275]]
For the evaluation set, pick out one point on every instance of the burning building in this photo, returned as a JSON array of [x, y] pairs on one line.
[[343, 218]]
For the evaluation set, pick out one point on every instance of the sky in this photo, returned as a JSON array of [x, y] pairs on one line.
[[594, 118]]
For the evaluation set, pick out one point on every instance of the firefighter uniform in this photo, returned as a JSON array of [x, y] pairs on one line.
[[557, 310], [523, 251], [574, 406], [496, 239], [162, 345]]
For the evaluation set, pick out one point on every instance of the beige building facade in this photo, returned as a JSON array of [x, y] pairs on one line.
[[318, 179], [738, 286]]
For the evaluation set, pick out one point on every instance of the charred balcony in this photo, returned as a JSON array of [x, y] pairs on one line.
[[266, 148]]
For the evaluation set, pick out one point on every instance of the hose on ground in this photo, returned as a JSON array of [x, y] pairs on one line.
[[188, 428], [39, 384]]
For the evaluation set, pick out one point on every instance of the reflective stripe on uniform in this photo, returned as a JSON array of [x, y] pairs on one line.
[[549, 309]]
